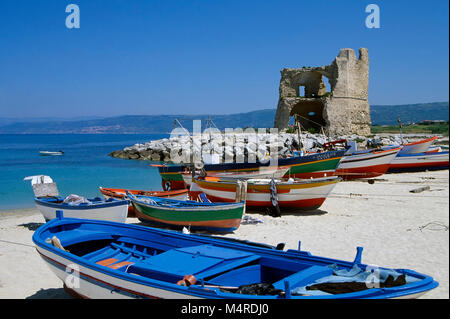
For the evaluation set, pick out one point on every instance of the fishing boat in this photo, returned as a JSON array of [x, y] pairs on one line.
[[120, 193], [366, 163], [303, 194], [263, 172], [306, 166], [418, 146], [94, 208], [217, 217], [117, 260], [48, 201], [419, 162], [50, 153]]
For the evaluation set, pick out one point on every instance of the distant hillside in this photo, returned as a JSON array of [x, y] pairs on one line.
[[409, 113], [139, 124], [146, 124]]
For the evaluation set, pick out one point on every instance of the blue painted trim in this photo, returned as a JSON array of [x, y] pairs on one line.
[[422, 154], [281, 162], [93, 205]]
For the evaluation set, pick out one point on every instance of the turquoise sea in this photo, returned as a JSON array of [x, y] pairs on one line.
[[84, 166]]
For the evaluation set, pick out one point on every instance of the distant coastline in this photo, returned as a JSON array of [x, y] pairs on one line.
[[163, 124]]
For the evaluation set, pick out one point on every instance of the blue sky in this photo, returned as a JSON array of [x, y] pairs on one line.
[[207, 57]]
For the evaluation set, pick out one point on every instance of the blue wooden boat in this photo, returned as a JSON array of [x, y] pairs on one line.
[[101, 259]]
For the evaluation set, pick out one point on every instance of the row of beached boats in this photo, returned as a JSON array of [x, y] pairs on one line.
[[119, 260], [298, 182], [356, 164]]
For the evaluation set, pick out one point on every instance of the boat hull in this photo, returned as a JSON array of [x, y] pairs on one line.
[[366, 164], [419, 162], [116, 212], [91, 284], [47, 153], [225, 218], [306, 196]]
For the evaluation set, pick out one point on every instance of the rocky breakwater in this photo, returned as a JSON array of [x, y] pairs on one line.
[[236, 147]]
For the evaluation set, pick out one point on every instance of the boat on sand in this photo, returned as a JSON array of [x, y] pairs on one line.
[[419, 162], [303, 194], [366, 163], [217, 217], [117, 260]]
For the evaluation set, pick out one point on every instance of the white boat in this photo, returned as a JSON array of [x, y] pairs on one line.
[[366, 163], [50, 153], [419, 162], [421, 146], [112, 210], [48, 201]]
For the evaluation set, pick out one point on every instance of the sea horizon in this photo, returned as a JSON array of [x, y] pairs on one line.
[[83, 168]]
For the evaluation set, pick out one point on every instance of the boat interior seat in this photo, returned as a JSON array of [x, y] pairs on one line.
[[114, 263], [304, 276], [201, 261]]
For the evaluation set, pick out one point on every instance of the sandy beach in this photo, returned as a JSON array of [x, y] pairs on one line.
[[397, 229]]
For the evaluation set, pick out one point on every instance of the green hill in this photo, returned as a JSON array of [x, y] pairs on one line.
[[147, 124]]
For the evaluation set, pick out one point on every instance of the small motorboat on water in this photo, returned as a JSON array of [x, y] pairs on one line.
[[119, 260], [51, 153]]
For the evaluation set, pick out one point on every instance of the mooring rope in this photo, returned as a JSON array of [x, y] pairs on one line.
[[16, 243]]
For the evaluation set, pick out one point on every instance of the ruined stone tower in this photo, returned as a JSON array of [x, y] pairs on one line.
[[343, 110]]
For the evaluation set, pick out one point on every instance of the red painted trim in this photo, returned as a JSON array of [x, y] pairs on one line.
[[363, 172], [430, 164], [101, 281], [422, 141]]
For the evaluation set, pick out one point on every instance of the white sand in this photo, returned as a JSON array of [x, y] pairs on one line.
[[385, 218]]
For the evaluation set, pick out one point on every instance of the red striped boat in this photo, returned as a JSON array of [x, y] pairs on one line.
[[366, 163], [304, 194]]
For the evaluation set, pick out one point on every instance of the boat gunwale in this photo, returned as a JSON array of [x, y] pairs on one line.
[[102, 204], [422, 141], [205, 207], [284, 186], [116, 192]]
